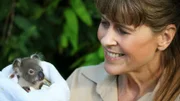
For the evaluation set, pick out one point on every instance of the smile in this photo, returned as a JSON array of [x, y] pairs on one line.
[[114, 55]]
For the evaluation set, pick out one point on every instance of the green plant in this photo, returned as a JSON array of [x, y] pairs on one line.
[[64, 31]]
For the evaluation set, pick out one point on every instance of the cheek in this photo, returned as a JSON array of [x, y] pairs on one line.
[[141, 50], [100, 33]]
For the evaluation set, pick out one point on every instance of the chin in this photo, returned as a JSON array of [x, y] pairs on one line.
[[112, 69]]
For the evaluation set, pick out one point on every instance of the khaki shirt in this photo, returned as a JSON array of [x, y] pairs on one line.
[[93, 83]]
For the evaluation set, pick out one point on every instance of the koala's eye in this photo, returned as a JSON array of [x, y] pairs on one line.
[[31, 71]]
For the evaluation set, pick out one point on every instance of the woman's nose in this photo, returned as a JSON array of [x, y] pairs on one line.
[[109, 38]]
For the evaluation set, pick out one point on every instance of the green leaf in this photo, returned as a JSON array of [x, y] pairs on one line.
[[63, 42], [22, 22], [79, 7], [71, 27], [100, 52], [92, 59], [71, 20], [30, 32], [37, 11], [52, 6], [13, 56]]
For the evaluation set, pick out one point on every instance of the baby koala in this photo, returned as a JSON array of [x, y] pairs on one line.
[[29, 72]]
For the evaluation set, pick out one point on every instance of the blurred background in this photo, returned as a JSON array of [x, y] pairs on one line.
[[63, 31]]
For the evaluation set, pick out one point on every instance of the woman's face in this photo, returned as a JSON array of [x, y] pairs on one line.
[[127, 48]]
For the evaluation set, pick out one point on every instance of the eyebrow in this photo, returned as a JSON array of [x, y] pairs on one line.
[[127, 28], [121, 25]]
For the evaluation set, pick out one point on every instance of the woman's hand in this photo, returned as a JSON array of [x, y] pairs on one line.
[[57, 91], [11, 91]]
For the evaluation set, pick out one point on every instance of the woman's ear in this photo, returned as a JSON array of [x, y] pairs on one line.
[[166, 37]]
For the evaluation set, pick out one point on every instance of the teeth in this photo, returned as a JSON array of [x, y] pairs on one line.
[[114, 55]]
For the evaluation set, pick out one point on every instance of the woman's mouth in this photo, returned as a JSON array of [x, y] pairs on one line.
[[114, 55]]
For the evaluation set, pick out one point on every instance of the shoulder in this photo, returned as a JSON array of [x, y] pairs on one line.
[[93, 73], [90, 82]]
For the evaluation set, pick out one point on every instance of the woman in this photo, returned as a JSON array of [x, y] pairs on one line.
[[142, 51]]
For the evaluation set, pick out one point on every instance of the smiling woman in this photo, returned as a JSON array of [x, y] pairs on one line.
[[142, 50], [130, 51]]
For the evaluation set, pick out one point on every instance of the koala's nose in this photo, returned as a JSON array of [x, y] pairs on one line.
[[41, 75]]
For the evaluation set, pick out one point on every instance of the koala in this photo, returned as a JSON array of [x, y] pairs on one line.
[[29, 72]]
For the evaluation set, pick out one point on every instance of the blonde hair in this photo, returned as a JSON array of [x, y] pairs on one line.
[[156, 14]]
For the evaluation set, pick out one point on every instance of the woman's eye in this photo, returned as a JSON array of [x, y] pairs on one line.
[[121, 31], [105, 24]]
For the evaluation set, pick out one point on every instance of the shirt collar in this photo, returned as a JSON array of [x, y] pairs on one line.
[[106, 85]]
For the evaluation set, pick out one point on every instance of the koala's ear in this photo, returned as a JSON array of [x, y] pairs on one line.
[[16, 64], [35, 56]]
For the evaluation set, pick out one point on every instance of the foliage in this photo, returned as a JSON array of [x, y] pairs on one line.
[[64, 31]]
